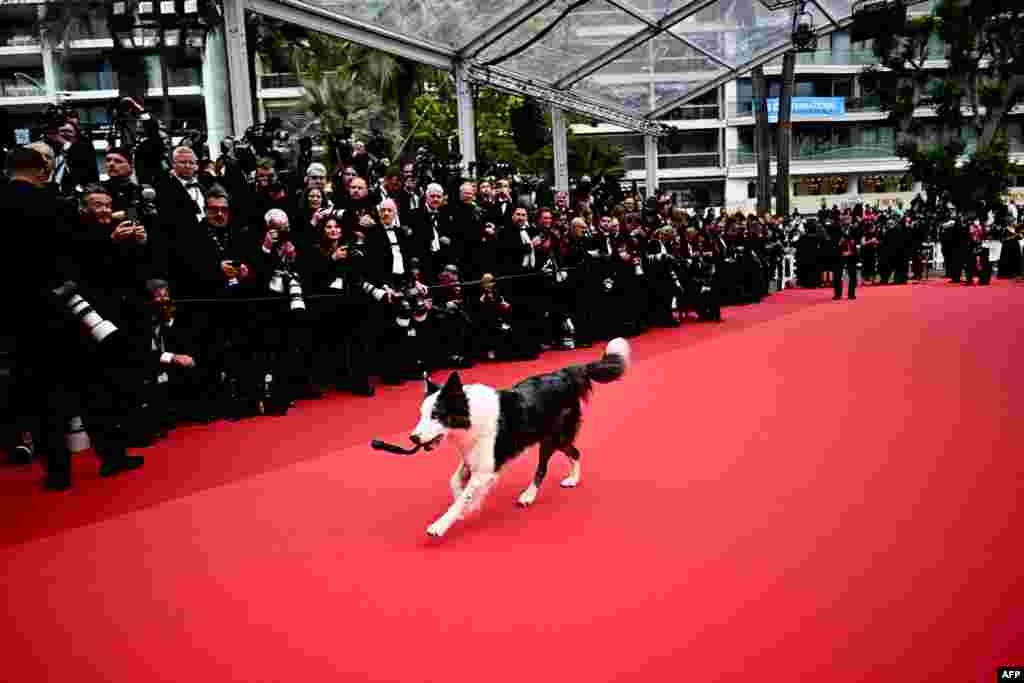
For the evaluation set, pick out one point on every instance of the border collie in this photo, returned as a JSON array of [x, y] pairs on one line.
[[491, 426]]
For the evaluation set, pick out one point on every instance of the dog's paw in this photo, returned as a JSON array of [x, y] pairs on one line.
[[570, 482], [527, 497], [437, 529]]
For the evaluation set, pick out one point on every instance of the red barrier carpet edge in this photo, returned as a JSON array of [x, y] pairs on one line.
[[811, 490]]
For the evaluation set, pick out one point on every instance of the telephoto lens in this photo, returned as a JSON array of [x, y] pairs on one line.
[[297, 303], [91, 321]]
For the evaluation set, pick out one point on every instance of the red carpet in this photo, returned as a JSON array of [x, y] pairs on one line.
[[812, 490]]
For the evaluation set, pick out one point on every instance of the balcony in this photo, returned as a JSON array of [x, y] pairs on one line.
[[738, 157], [854, 105], [830, 57], [19, 39], [19, 88], [688, 160], [693, 112]]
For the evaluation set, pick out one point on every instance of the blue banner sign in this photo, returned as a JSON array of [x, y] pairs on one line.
[[810, 107]]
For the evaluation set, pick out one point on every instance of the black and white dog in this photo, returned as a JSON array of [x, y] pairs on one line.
[[492, 426]]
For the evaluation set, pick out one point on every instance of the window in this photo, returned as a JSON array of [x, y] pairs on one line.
[[842, 87], [821, 185], [885, 182]]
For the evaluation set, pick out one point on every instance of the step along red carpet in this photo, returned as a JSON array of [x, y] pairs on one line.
[[809, 491]]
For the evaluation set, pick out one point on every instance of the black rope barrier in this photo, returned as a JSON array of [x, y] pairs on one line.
[[279, 297]]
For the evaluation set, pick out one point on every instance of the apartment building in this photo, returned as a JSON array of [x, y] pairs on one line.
[[842, 153], [36, 69]]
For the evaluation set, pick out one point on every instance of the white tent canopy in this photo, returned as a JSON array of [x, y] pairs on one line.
[[626, 62]]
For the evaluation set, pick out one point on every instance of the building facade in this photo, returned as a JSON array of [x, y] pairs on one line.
[[836, 159], [37, 69]]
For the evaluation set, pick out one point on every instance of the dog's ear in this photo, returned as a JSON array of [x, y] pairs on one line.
[[454, 384], [430, 387]]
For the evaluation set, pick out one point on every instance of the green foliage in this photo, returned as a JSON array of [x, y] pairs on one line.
[[983, 41], [435, 126], [347, 83]]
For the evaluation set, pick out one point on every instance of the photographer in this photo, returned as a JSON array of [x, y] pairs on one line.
[[173, 381], [74, 157], [340, 320], [117, 254], [453, 326], [268, 193], [361, 210], [124, 192], [210, 262], [281, 365], [54, 368]]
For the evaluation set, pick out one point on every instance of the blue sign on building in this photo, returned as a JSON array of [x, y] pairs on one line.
[[810, 107]]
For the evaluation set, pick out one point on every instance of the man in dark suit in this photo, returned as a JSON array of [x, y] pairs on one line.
[[168, 343], [433, 241], [519, 256], [180, 202], [210, 262], [54, 366]]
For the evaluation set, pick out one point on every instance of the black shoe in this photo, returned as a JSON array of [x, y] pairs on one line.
[[21, 455], [836, 298], [114, 466], [852, 298], [58, 481]]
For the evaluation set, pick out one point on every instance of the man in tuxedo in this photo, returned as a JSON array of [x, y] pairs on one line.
[[500, 206], [386, 275], [465, 222], [432, 233], [389, 248], [73, 155], [169, 345], [180, 202], [520, 256], [210, 262], [393, 189]]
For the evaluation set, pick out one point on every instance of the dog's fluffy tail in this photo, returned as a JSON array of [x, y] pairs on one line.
[[613, 364]]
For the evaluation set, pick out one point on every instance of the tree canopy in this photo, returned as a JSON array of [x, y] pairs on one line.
[[964, 64]]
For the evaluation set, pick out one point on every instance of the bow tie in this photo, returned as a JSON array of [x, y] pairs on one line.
[[192, 184]]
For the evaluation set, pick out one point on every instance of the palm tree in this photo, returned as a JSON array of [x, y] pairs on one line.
[[338, 101]]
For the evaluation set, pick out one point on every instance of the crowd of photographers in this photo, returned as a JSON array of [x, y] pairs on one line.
[[235, 288]]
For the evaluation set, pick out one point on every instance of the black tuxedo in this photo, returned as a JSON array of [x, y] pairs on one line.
[[169, 390], [512, 250], [380, 253], [424, 224], [177, 211]]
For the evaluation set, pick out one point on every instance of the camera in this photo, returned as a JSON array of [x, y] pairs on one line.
[[91, 321], [296, 302]]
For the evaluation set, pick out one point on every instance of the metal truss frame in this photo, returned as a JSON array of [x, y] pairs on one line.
[[633, 42], [738, 71]]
